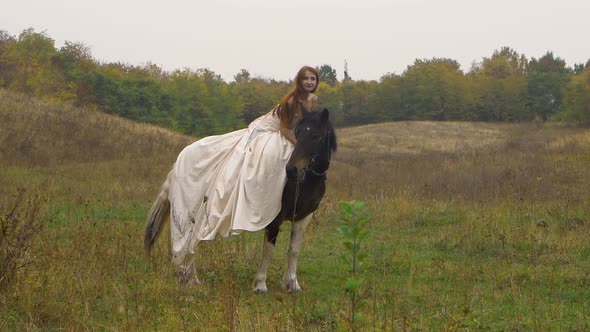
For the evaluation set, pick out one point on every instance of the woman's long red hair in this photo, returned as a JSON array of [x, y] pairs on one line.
[[287, 112]]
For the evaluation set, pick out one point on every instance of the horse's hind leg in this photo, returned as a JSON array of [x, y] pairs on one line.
[[270, 238], [183, 255], [297, 232], [185, 266]]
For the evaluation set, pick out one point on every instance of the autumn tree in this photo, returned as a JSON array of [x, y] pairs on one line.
[[576, 99], [75, 61], [7, 63], [327, 74], [355, 102], [432, 89], [330, 97], [257, 96], [546, 77], [32, 60], [500, 87], [190, 113], [388, 99], [242, 77]]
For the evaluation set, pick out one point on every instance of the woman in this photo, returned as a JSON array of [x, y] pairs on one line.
[[223, 185], [300, 99]]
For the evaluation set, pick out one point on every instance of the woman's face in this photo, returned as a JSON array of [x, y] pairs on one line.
[[309, 81]]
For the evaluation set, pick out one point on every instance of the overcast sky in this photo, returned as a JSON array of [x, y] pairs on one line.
[[273, 38]]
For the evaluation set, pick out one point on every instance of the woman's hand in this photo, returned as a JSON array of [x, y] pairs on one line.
[[289, 135], [311, 102]]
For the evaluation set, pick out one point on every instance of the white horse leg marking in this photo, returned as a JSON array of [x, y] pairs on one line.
[[260, 281], [182, 243], [297, 232], [187, 275], [185, 266]]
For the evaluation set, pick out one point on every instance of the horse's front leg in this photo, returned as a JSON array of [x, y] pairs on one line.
[[297, 233], [270, 238]]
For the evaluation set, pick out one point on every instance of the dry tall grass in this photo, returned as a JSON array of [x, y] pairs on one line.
[[38, 133], [478, 162]]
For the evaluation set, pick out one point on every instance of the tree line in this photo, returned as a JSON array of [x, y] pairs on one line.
[[503, 87]]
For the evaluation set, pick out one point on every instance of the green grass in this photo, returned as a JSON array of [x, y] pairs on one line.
[[430, 266]]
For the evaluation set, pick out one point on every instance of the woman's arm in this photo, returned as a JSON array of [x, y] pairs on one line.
[[288, 133]]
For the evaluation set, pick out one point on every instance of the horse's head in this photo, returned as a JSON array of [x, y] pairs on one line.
[[316, 141]]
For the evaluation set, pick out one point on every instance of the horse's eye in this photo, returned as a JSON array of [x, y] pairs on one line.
[[316, 137]]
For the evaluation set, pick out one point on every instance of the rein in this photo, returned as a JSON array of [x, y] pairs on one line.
[[296, 196]]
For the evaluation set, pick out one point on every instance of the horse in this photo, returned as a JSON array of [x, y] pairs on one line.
[[304, 189]]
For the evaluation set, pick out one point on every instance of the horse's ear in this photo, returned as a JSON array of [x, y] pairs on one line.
[[325, 115]]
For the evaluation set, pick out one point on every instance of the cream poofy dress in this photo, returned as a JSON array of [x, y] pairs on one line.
[[223, 185]]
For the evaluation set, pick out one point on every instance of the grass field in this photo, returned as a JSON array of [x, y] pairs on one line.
[[474, 226]]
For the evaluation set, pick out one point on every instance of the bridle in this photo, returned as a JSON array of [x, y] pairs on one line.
[[310, 166], [310, 169]]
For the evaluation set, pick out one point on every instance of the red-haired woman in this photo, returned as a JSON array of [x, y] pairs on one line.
[[223, 185], [300, 99]]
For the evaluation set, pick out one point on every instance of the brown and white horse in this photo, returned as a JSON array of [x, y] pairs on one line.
[[304, 189]]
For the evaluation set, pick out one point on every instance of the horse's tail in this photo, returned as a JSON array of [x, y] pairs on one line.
[[157, 216]]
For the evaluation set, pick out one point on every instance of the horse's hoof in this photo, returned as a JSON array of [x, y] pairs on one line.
[[186, 276], [260, 287], [189, 281], [292, 286], [260, 291], [193, 282]]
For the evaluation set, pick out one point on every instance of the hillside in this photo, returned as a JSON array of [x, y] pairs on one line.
[[421, 137], [38, 133]]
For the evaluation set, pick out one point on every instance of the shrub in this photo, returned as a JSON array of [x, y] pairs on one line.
[[20, 223]]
